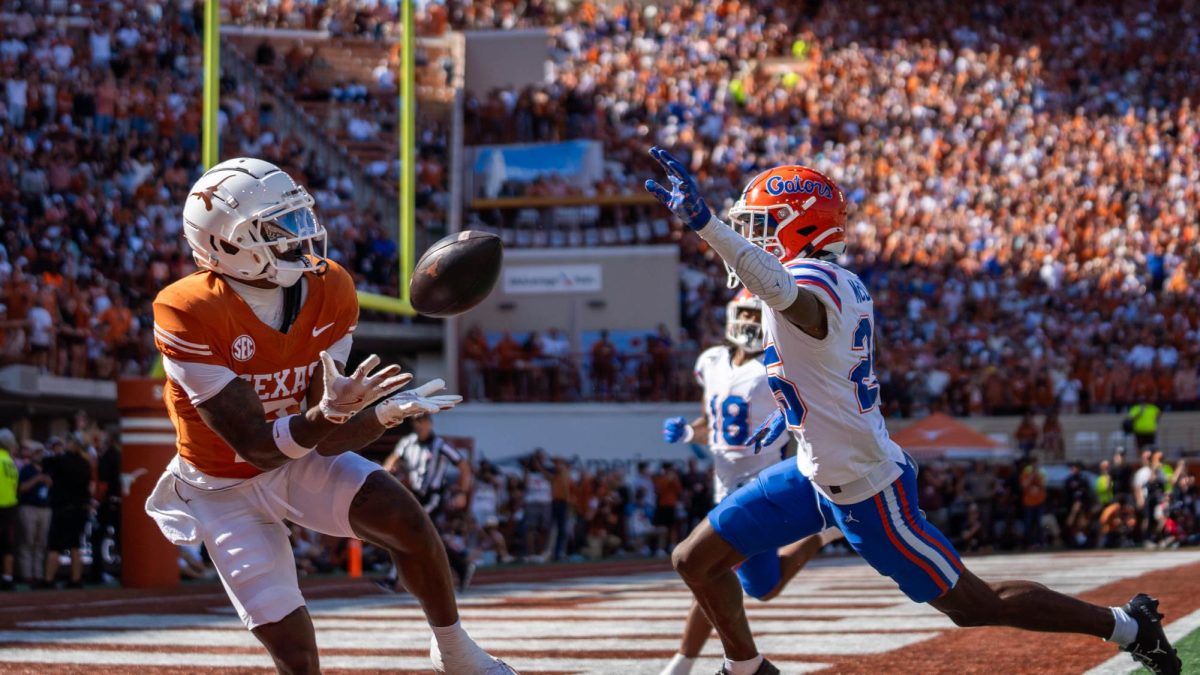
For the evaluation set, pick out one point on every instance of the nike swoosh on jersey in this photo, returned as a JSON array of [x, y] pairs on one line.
[[322, 329]]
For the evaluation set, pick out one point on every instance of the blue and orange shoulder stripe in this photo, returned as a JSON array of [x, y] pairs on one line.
[[813, 274]]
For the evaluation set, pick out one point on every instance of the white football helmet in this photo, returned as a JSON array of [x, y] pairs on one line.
[[746, 334], [247, 219]]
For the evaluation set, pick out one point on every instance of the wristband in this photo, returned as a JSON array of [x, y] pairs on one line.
[[688, 434], [282, 432]]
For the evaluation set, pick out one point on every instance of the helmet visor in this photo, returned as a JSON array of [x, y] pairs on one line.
[[298, 224], [287, 233]]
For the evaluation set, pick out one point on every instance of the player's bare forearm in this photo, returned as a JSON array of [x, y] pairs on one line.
[[362, 430], [700, 427], [236, 414]]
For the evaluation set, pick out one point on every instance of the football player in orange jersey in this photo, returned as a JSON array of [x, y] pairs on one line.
[[254, 345]]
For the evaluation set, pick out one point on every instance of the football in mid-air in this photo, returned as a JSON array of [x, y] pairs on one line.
[[456, 273]]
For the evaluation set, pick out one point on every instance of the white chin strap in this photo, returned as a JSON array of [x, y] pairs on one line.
[[286, 274]]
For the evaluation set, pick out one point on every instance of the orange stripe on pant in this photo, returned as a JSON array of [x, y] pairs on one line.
[[887, 527], [920, 532]]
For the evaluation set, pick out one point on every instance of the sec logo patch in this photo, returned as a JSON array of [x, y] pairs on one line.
[[243, 348]]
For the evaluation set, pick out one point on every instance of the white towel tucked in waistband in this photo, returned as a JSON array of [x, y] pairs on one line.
[[171, 512]]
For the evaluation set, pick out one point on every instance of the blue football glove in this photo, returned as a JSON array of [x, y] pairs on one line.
[[684, 198], [676, 429], [769, 431]]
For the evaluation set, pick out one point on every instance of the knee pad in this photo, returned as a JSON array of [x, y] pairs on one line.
[[759, 574]]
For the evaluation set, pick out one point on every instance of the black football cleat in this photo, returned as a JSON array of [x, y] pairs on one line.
[[765, 668], [1151, 647]]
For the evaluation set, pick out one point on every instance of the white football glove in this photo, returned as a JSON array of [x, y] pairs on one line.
[[344, 396], [419, 401]]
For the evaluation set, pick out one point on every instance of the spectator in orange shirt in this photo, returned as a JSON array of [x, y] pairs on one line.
[[476, 357], [560, 502], [1033, 500], [1026, 434], [604, 367], [508, 358], [1052, 436], [667, 490], [1185, 385], [115, 322]]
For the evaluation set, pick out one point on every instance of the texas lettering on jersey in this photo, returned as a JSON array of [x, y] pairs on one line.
[[281, 391], [201, 319]]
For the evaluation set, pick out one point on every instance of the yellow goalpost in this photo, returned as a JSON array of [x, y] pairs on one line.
[[210, 145]]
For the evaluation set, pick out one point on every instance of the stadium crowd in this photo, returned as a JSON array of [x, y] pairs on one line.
[[541, 507], [1024, 198], [1024, 185], [544, 508], [66, 506], [100, 138]]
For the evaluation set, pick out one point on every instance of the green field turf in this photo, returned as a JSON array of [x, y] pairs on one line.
[[1189, 652]]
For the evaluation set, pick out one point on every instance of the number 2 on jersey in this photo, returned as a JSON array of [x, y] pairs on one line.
[[863, 375]]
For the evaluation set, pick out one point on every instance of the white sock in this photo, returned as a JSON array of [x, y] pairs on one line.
[[743, 667], [679, 665], [458, 648], [1125, 628]]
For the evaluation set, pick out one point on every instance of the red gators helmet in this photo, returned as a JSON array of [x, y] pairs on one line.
[[793, 212]]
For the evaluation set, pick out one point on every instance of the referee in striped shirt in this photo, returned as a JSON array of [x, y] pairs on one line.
[[421, 460]]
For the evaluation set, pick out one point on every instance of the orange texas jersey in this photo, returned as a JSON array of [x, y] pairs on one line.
[[201, 319]]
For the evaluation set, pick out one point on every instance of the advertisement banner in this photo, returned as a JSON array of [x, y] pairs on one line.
[[531, 279]]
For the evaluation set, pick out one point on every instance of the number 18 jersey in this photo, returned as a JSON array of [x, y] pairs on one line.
[[737, 400], [827, 388]]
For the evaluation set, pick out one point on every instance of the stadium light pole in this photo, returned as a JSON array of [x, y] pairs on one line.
[[408, 123]]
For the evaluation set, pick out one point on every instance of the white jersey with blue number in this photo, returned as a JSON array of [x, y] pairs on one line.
[[828, 390], [736, 400]]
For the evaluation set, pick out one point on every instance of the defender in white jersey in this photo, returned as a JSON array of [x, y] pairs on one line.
[[819, 327], [737, 401]]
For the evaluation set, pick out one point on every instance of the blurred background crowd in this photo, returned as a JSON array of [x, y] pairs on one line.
[[1024, 196], [63, 527]]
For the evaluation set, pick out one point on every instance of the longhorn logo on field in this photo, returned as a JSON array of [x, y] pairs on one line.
[[127, 480]]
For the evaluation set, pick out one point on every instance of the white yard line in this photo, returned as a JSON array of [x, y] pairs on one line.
[[419, 663], [812, 619]]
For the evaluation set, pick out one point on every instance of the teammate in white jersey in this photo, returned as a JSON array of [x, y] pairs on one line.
[[819, 329], [737, 401]]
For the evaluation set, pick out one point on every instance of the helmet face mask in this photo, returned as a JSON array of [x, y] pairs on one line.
[[289, 245], [743, 323]]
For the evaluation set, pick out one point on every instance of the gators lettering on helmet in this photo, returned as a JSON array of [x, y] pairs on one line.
[[777, 185], [792, 211]]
